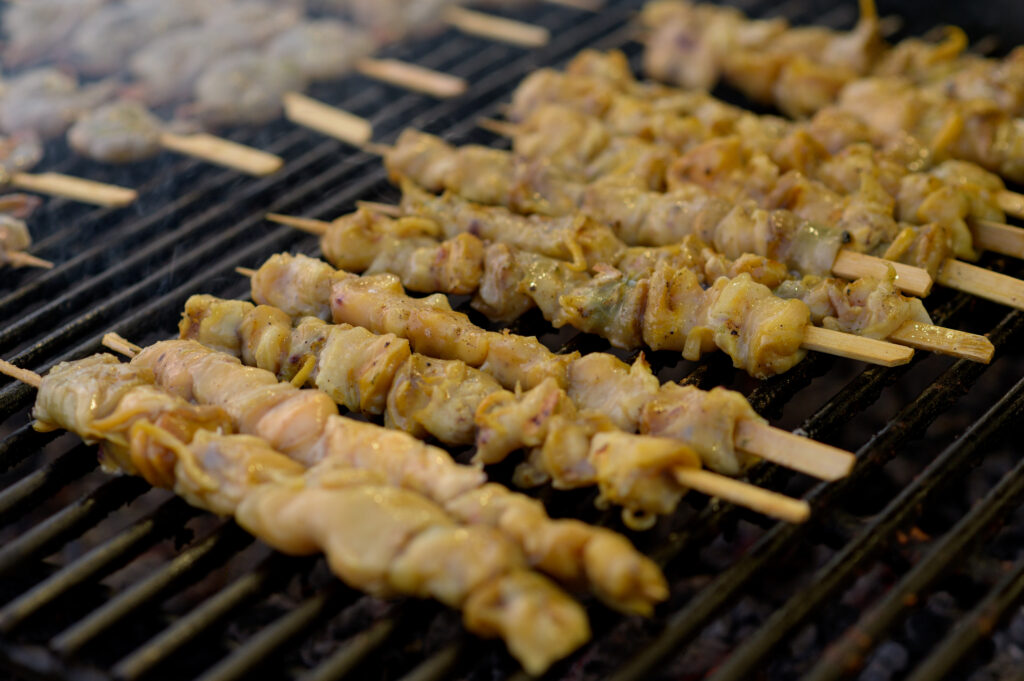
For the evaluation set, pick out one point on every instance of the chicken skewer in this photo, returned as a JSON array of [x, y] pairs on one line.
[[305, 425], [401, 544], [804, 70], [496, 177], [646, 480], [670, 310], [831, 148], [411, 248], [724, 167], [14, 235], [373, 374], [602, 85]]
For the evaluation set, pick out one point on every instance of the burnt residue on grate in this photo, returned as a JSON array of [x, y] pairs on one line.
[[910, 568]]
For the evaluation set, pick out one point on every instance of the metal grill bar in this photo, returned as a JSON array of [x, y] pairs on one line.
[[244, 659], [70, 521], [782, 538], [101, 560], [216, 548], [353, 652], [206, 615], [950, 548]]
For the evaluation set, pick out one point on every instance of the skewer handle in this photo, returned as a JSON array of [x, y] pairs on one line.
[[23, 259], [330, 121], [120, 345], [318, 227], [909, 279], [983, 283], [412, 77], [792, 451], [24, 375], [1011, 202], [222, 152], [75, 188], [744, 494], [939, 339], [855, 347], [498, 29], [998, 238]]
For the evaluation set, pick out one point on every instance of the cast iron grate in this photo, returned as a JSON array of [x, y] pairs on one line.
[[906, 564]]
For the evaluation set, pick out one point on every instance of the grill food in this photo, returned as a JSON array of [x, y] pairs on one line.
[[377, 537], [957, 106]]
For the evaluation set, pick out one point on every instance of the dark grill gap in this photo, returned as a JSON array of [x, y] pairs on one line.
[[106, 579]]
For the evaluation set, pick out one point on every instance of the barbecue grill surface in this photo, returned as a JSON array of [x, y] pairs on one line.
[[105, 578]]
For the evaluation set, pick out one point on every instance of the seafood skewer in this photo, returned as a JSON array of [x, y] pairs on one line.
[[376, 537], [14, 235], [377, 373]]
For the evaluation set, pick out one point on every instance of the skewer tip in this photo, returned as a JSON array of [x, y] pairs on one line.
[[246, 272], [24, 375], [310, 225], [119, 344]]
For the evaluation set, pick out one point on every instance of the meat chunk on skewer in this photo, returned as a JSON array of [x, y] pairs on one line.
[[119, 132], [244, 88], [47, 101], [321, 49]]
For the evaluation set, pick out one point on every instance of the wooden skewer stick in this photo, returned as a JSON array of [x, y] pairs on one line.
[[412, 77], [931, 338], [498, 29], [911, 280], [23, 259], [382, 208], [764, 501], [222, 152], [333, 122], [1011, 202], [311, 225], [75, 188], [854, 347], [584, 5], [998, 238], [792, 451], [983, 283], [24, 375]]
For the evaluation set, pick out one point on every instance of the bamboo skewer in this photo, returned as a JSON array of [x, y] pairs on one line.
[[75, 188], [712, 484], [23, 259], [1011, 202], [222, 152], [998, 238], [412, 77], [978, 281], [912, 280], [24, 375], [911, 334], [498, 29], [326, 119]]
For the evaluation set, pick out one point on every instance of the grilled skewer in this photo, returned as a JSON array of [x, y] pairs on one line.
[[411, 248], [305, 425], [952, 111], [641, 216], [832, 147], [374, 374], [376, 537], [665, 311]]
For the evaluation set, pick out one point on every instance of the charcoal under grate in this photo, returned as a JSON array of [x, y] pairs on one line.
[[911, 568]]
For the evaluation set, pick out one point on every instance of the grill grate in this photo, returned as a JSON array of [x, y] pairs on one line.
[[104, 578]]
